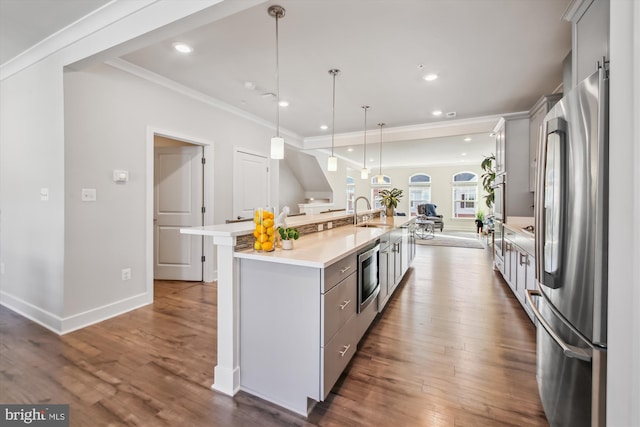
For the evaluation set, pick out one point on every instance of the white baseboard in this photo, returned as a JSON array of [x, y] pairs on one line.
[[63, 326]]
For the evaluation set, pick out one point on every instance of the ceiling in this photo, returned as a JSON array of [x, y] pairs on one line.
[[491, 56]]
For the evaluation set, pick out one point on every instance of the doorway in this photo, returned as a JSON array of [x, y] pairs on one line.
[[178, 202], [250, 183]]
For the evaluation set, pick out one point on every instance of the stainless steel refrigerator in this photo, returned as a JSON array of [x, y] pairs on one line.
[[571, 256]]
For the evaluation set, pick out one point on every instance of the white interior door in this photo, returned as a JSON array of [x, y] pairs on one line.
[[250, 184], [178, 201]]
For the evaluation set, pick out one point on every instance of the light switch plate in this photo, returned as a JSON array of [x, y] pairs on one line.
[[89, 195], [120, 176], [44, 194]]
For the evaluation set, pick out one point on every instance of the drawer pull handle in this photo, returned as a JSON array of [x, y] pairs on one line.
[[346, 348], [344, 304], [345, 269]]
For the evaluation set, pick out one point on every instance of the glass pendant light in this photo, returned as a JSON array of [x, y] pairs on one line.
[[364, 172], [277, 142], [332, 164], [380, 177]]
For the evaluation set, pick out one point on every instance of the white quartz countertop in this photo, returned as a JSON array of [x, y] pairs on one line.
[[317, 250]]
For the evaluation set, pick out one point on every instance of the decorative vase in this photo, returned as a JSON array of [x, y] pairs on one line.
[[287, 244], [265, 231], [390, 211]]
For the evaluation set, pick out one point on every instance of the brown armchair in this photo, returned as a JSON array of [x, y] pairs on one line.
[[428, 211]]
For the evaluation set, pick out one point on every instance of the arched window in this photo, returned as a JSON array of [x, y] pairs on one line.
[[465, 194], [351, 193], [377, 187], [419, 191]]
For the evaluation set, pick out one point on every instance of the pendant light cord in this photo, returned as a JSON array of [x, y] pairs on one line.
[[334, 72], [364, 157], [277, 79], [381, 124]]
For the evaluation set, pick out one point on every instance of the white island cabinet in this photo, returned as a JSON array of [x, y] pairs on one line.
[[287, 320], [297, 329]]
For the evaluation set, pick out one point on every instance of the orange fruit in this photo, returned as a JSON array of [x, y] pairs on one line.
[[268, 222], [267, 246], [257, 246], [264, 237], [256, 234]]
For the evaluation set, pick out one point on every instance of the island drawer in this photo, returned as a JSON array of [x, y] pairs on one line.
[[337, 354], [338, 305], [338, 271]]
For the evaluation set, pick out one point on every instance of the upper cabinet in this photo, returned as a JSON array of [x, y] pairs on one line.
[[590, 19], [512, 159], [536, 116]]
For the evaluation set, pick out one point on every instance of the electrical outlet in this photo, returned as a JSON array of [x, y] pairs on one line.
[[329, 225], [89, 195], [126, 274], [320, 227]]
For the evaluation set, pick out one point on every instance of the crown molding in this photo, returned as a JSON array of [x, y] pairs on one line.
[[89, 24], [174, 86], [412, 132]]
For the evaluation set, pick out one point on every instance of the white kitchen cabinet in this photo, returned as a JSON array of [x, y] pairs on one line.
[[519, 267], [386, 269], [298, 329], [512, 159], [536, 116]]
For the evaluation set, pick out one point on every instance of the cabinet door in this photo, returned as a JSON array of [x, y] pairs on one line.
[[521, 274], [338, 305], [500, 150], [535, 131], [531, 283], [397, 260]]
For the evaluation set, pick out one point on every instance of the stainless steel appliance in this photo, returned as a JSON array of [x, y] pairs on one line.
[[571, 256], [368, 276]]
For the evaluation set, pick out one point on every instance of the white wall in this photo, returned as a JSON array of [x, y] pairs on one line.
[[623, 367], [107, 114], [291, 192], [32, 157]]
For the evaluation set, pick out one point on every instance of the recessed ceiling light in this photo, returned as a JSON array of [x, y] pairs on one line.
[[437, 113], [283, 103], [324, 127], [467, 139], [350, 149], [249, 85], [182, 47], [372, 160], [430, 77], [464, 154]]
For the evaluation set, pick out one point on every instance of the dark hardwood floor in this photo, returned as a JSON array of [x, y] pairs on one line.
[[452, 348]]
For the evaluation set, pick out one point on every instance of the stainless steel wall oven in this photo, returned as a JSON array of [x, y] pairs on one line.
[[368, 276]]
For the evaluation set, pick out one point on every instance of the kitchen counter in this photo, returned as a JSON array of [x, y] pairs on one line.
[[520, 236], [315, 250], [323, 248]]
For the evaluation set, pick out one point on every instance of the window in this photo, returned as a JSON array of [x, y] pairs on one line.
[[376, 188], [465, 195], [419, 191], [351, 193]]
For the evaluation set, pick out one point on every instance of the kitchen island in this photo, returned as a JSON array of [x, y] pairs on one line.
[[277, 318]]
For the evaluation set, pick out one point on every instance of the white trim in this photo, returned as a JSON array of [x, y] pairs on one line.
[[402, 133], [210, 273], [174, 86], [61, 326]]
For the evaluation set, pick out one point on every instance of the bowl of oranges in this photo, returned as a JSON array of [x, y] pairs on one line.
[[265, 230]]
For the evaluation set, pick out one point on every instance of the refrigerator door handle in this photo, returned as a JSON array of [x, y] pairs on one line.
[[568, 349]]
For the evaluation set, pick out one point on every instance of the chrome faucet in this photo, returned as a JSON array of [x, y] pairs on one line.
[[355, 208]]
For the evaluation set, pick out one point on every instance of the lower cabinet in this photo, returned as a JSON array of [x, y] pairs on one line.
[[299, 328], [518, 270]]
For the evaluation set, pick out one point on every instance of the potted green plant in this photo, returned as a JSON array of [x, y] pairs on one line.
[[488, 177], [389, 199], [479, 221], [288, 235]]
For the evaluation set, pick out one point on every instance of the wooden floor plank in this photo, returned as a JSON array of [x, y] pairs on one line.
[[452, 348]]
